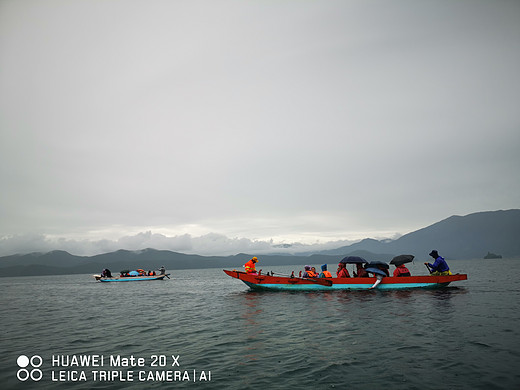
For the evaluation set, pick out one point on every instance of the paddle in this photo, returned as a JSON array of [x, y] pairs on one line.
[[322, 281], [427, 266]]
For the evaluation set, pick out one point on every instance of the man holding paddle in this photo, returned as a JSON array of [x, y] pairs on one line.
[[439, 267]]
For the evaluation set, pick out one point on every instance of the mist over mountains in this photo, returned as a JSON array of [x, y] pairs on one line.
[[457, 237]]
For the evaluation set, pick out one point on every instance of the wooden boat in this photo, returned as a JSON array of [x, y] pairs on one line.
[[268, 282], [130, 278]]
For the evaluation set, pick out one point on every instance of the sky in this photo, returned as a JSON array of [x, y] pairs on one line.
[[219, 127]]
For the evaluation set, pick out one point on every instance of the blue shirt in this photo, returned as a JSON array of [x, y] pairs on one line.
[[439, 265]]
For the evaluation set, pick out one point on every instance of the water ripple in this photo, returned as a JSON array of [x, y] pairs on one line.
[[467, 335]]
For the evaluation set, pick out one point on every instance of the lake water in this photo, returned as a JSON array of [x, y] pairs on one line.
[[206, 330]]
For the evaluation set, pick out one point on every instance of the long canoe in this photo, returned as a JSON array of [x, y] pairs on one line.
[[268, 282], [130, 278]]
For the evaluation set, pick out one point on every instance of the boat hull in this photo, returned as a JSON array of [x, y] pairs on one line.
[[267, 282], [99, 278]]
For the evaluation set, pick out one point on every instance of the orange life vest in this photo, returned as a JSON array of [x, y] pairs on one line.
[[250, 267], [327, 274]]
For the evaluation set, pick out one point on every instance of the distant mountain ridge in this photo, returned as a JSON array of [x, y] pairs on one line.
[[457, 237], [63, 263]]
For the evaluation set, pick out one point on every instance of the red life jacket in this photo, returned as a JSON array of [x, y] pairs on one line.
[[401, 271], [343, 273]]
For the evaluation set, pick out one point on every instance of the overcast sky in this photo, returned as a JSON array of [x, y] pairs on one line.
[[216, 127]]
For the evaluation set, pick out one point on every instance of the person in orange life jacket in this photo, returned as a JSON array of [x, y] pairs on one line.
[[324, 273], [342, 271], [401, 270], [439, 267], [309, 273], [250, 266], [360, 271]]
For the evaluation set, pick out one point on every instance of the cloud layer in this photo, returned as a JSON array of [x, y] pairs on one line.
[[209, 245], [291, 121]]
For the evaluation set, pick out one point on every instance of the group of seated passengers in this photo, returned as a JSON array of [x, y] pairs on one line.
[[126, 274], [342, 272]]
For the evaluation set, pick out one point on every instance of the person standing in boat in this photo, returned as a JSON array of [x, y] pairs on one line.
[[342, 271], [250, 266], [439, 267], [324, 273], [162, 270]]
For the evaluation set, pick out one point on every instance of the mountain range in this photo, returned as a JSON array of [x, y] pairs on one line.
[[457, 237]]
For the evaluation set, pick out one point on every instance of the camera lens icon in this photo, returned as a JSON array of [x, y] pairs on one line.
[[35, 373]]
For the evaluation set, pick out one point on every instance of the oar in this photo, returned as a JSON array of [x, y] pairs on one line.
[[427, 266], [167, 276], [322, 281]]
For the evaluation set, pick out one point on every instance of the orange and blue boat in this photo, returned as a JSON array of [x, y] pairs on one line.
[[293, 283]]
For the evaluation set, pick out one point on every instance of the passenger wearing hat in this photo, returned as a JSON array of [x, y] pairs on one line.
[[439, 267], [324, 272], [250, 266]]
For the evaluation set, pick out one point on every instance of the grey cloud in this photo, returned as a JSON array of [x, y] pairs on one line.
[[258, 120], [210, 244]]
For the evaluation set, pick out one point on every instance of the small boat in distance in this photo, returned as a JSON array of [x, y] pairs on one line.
[[139, 275], [288, 283], [130, 278]]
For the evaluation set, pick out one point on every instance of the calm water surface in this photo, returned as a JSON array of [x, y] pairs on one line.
[[462, 337]]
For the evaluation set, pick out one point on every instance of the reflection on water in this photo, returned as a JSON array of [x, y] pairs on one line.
[[401, 294]]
